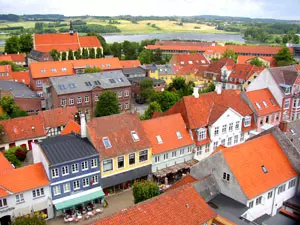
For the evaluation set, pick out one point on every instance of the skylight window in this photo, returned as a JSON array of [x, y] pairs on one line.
[[264, 169], [135, 137], [112, 81], [43, 70], [272, 101], [265, 104], [190, 62], [293, 131], [72, 85], [179, 136], [159, 140], [62, 86], [87, 83], [258, 105], [202, 61], [53, 70], [64, 69], [106, 142], [121, 79], [97, 82]]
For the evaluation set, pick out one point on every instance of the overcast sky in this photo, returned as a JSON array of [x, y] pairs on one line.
[[278, 9]]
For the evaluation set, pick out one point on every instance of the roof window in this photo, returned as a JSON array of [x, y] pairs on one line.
[[72, 85], [179, 136], [258, 105], [159, 140], [272, 102], [264, 169], [135, 137], [112, 81], [265, 104], [97, 82], [106, 142], [62, 86]]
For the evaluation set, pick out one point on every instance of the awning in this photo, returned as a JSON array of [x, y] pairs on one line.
[[21, 211], [77, 200], [40, 206], [174, 168]]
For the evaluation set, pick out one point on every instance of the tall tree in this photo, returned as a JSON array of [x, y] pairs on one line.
[[70, 55], [129, 50], [255, 61], [146, 87], [26, 43], [144, 190], [108, 104], [85, 54], [92, 53], [230, 53], [12, 45], [153, 107], [146, 56], [98, 53], [63, 56], [284, 57], [55, 54], [116, 49], [10, 109], [77, 54], [157, 56]]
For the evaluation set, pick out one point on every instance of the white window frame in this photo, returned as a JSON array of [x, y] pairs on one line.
[[84, 165], [247, 121], [120, 159], [126, 93], [54, 173], [94, 163], [126, 105], [75, 186], [135, 136], [95, 179], [142, 152], [56, 190], [286, 104], [224, 129], [63, 102], [120, 94], [67, 187], [130, 157], [86, 99], [3, 203], [179, 136], [104, 163], [229, 141], [75, 166], [84, 183], [65, 170], [202, 133], [71, 101], [36, 193], [104, 143], [230, 128], [39, 83], [216, 132], [236, 139], [79, 100], [20, 198]]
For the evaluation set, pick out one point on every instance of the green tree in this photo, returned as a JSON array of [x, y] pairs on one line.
[[63, 56], [98, 53], [157, 57], [77, 54], [165, 99], [26, 43], [92, 70], [153, 107], [146, 87], [14, 67], [146, 56], [278, 40], [116, 49], [105, 46], [108, 104], [284, 57], [12, 45], [129, 50], [34, 220], [210, 88], [295, 39], [144, 190], [255, 61], [9, 107], [230, 53], [180, 86], [92, 53], [85, 54], [55, 54], [70, 55], [10, 155], [39, 27], [285, 39]]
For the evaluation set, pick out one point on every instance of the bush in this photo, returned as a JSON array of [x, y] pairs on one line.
[[21, 154], [12, 158], [145, 190], [34, 220]]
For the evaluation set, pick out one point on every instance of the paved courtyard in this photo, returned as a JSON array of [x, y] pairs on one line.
[[115, 204]]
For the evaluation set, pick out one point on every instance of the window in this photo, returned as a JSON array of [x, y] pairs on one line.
[[131, 158], [56, 190], [96, 97], [67, 187], [75, 168], [206, 148], [54, 173], [134, 136], [143, 156], [107, 165], [156, 158], [258, 105], [242, 137], [120, 106], [270, 194], [94, 163], [181, 151], [65, 170], [251, 204], [84, 165], [159, 140], [64, 69], [79, 100], [39, 83], [20, 198], [199, 150], [287, 103], [94, 180], [174, 154], [3, 202], [179, 136], [86, 99], [76, 185], [237, 125], [126, 106], [216, 131], [265, 104], [223, 141], [247, 121], [201, 134], [38, 192], [281, 189], [120, 94], [229, 141], [224, 129], [120, 162], [292, 183], [63, 101], [236, 139], [226, 176], [85, 182], [106, 142], [215, 145], [230, 127], [166, 156], [258, 200], [126, 93]]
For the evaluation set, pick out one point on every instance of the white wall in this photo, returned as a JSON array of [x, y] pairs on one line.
[[38, 157], [21, 142]]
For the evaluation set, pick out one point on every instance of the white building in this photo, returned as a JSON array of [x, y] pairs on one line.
[[256, 174]]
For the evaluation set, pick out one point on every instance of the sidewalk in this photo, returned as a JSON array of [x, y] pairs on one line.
[[115, 204]]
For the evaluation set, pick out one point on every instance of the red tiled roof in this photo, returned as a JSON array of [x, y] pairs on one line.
[[71, 127], [24, 178], [118, 129], [190, 69], [246, 161], [298, 67], [265, 95], [17, 57], [5, 68], [3, 192], [189, 59], [130, 63], [166, 127], [177, 207], [5, 58], [184, 43], [4, 164], [58, 117], [187, 179], [89, 42], [243, 72], [21, 77], [22, 128], [245, 59]]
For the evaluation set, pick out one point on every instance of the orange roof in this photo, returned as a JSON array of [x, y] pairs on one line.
[[24, 178], [3, 192], [189, 59], [130, 63], [246, 161], [187, 179], [180, 206], [89, 42], [166, 127], [22, 128], [17, 57], [118, 129], [263, 102], [243, 72], [64, 68], [5, 68], [71, 127], [4, 164], [190, 69], [58, 117], [298, 67], [21, 77], [6, 58], [245, 59]]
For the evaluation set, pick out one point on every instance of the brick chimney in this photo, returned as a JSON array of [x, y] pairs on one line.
[[283, 126], [82, 125]]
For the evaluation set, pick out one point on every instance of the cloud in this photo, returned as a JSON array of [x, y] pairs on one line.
[[245, 8]]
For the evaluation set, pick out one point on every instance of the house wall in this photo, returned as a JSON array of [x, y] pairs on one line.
[[39, 157], [170, 161], [25, 142], [30, 105], [262, 120]]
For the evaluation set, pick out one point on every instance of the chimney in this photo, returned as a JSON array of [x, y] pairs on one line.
[[196, 92], [218, 88], [82, 125], [283, 126]]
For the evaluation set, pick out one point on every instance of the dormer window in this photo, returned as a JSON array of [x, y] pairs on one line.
[[135, 137], [201, 134], [264, 169], [247, 121], [190, 62], [265, 104], [159, 140], [258, 105], [43, 70], [179, 136], [53, 70], [64, 69], [182, 63], [286, 89], [106, 142]]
